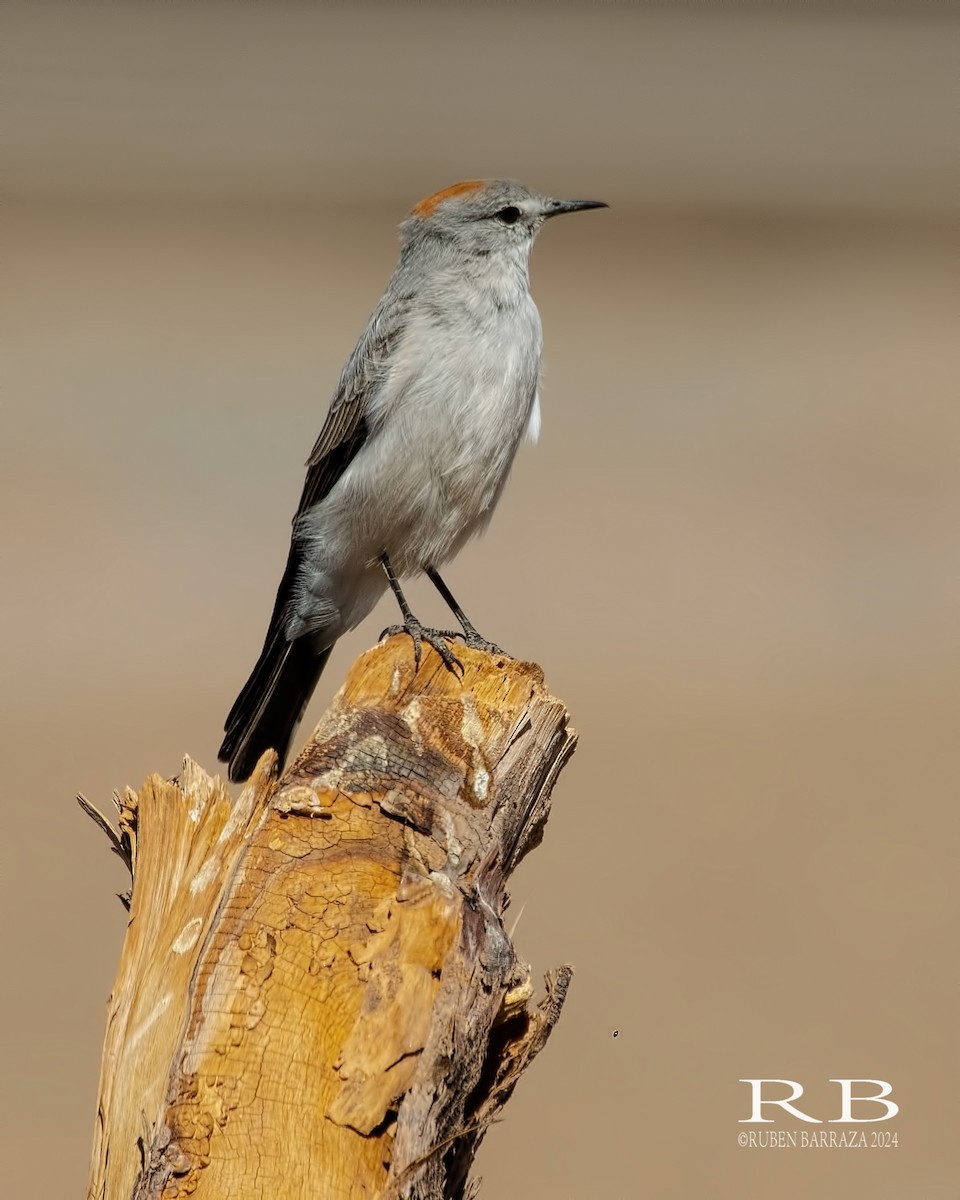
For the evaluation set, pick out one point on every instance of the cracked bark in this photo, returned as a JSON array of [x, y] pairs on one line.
[[316, 995]]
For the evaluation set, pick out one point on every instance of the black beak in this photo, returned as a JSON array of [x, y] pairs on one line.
[[553, 208]]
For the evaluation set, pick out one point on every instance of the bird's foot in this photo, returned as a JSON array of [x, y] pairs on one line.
[[433, 637], [475, 641]]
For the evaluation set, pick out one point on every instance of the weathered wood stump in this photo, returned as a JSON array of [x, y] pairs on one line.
[[317, 996]]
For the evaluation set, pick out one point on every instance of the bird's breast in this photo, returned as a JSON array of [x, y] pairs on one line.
[[448, 418]]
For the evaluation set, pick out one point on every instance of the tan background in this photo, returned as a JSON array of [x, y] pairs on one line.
[[735, 551]]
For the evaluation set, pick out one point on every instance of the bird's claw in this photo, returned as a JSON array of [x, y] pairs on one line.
[[433, 637], [442, 647], [474, 641]]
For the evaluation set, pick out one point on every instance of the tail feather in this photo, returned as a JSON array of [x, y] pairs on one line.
[[271, 703]]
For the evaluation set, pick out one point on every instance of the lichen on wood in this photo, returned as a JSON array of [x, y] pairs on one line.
[[317, 996]]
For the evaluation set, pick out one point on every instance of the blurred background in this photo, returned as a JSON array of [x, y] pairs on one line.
[[734, 552]]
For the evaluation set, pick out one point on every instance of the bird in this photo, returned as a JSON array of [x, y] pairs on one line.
[[415, 449]]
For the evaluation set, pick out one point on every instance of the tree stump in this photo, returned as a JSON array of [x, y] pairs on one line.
[[317, 996]]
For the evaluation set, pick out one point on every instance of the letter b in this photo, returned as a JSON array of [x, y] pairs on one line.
[[847, 1098]]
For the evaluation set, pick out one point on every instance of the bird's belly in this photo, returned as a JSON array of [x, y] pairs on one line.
[[461, 465], [445, 425], [447, 436], [440, 488]]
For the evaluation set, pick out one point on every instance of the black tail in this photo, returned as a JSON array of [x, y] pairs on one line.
[[270, 706]]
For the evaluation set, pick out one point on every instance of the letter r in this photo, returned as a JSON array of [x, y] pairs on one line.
[[756, 1115]]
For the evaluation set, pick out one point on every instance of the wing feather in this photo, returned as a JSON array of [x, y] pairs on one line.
[[345, 431]]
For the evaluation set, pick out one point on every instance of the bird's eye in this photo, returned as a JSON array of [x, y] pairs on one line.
[[509, 215]]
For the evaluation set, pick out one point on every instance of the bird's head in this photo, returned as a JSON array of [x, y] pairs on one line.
[[486, 216]]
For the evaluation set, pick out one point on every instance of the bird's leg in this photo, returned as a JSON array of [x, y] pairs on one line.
[[418, 632], [470, 636]]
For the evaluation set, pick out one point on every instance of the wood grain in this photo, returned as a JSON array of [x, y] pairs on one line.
[[317, 996]]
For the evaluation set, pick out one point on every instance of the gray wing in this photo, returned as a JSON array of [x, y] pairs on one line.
[[345, 431]]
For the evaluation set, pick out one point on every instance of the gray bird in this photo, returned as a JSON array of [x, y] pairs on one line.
[[415, 449]]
